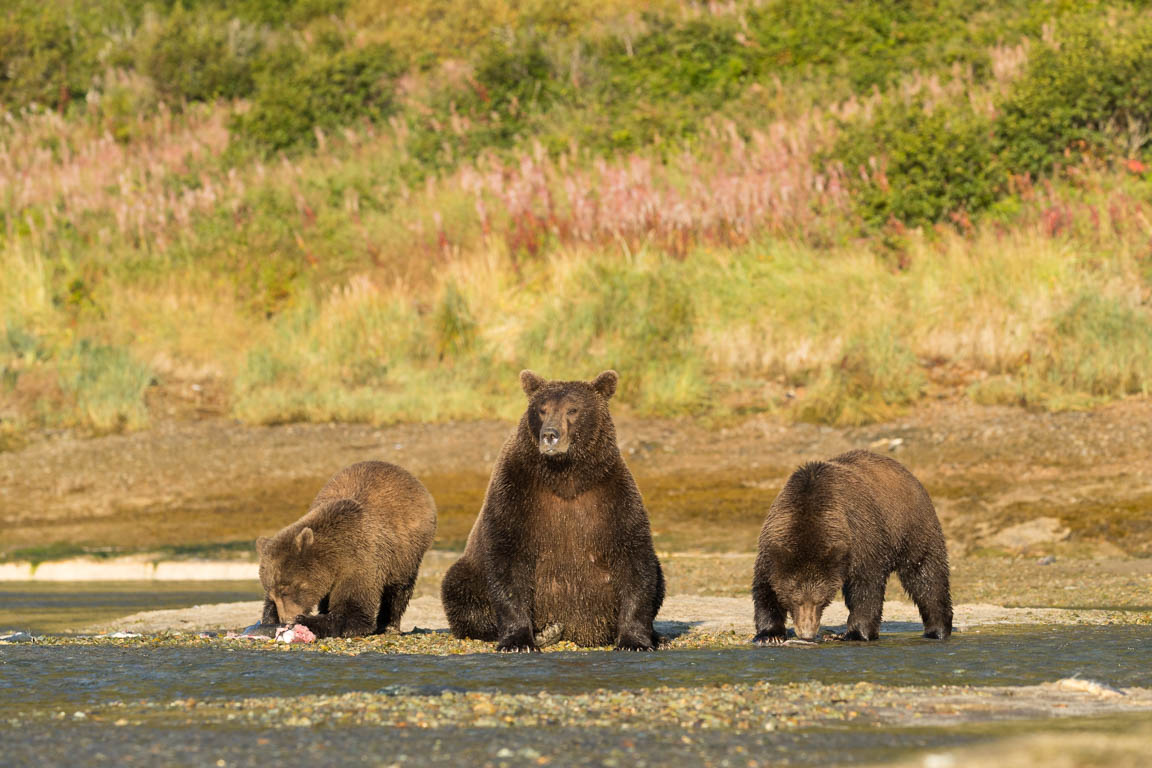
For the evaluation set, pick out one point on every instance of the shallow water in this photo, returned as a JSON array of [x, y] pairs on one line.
[[57, 606], [75, 676], [92, 744]]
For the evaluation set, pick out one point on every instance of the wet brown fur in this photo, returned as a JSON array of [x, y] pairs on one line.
[[845, 525], [563, 537], [353, 556]]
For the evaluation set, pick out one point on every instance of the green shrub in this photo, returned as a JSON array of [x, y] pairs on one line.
[[874, 44], [665, 82], [327, 92], [1091, 94], [920, 166], [280, 11], [512, 85], [46, 57], [196, 56]]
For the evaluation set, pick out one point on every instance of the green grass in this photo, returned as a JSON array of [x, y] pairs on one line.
[[355, 211]]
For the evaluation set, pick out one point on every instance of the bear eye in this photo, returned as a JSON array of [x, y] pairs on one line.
[[573, 411]]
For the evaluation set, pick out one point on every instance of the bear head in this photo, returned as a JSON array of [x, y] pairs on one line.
[[298, 565], [807, 582], [569, 420]]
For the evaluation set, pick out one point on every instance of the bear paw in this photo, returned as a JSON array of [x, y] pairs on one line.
[[851, 636], [768, 637], [635, 642], [519, 641]]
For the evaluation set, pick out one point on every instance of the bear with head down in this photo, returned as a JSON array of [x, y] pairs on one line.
[[347, 568], [844, 525], [563, 542]]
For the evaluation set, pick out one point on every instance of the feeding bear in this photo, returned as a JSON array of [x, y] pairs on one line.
[[353, 557], [563, 539], [846, 524]]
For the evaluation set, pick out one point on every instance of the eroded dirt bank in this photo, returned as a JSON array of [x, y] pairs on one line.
[[1003, 479]]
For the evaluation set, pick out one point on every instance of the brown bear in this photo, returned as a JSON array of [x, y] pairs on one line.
[[847, 524], [353, 557], [563, 539]]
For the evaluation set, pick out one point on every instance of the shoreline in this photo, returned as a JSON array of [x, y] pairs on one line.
[[681, 615], [128, 568]]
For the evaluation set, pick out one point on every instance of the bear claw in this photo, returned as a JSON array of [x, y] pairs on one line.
[[768, 638]]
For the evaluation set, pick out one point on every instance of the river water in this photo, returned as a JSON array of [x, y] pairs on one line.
[[39, 681]]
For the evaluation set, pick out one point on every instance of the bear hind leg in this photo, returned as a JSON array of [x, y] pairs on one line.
[[393, 602], [464, 594], [926, 583]]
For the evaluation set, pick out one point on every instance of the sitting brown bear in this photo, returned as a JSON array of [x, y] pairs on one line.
[[353, 557], [562, 540], [846, 524]]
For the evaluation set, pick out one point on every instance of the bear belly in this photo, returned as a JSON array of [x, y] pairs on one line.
[[574, 578], [577, 593]]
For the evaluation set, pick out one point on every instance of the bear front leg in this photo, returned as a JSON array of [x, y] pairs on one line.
[[510, 588], [347, 616], [865, 600], [269, 616], [770, 615]]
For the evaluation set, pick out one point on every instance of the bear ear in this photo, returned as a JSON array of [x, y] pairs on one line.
[[605, 384], [304, 539], [530, 382], [262, 545]]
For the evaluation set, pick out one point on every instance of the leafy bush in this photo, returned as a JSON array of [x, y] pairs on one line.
[[1092, 93], [870, 44], [194, 58], [513, 83], [918, 166], [44, 57], [326, 92], [665, 82]]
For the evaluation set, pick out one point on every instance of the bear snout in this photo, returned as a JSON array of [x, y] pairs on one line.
[[551, 442], [806, 617]]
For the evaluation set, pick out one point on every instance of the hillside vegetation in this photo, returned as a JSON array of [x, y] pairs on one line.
[[380, 210]]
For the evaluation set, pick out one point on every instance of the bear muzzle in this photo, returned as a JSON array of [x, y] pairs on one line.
[[553, 442], [806, 618]]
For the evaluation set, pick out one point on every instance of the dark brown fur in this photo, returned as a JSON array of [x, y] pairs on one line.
[[847, 524], [353, 557], [563, 537]]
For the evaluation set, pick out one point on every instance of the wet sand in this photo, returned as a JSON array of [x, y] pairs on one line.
[[682, 615]]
